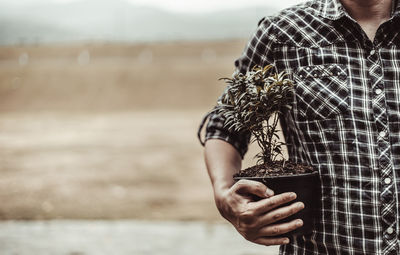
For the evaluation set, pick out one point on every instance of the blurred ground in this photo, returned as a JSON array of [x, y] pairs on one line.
[[108, 131], [112, 77], [124, 238], [101, 131], [142, 165]]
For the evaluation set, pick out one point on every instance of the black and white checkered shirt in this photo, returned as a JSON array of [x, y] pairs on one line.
[[345, 121]]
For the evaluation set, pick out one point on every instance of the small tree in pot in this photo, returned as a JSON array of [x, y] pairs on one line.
[[253, 102]]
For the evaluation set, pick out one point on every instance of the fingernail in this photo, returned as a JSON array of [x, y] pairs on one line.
[[269, 193], [299, 223], [286, 241], [293, 195], [300, 206]]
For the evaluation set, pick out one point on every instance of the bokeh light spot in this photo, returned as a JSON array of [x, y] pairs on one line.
[[83, 58], [23, 59], [145, 56]]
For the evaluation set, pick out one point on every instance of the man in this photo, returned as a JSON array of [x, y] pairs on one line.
[[344, 58]]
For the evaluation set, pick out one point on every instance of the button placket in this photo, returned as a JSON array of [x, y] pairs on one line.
[[390, 240], [388, 205]]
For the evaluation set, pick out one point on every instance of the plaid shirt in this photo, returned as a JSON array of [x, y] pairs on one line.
[[345, 121]]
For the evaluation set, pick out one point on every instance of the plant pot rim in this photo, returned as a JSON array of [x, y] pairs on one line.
[[277, 177]]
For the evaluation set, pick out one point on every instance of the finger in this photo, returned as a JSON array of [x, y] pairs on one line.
[[248, 187], [272, 241], [266, 205], [279, 229], [281, 213]]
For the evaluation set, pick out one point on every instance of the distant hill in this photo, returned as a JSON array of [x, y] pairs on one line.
[[120, 21]]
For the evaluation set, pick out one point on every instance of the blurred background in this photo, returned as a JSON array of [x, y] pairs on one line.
[[100, 104]]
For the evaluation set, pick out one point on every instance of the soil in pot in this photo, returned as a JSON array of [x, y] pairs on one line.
[[291, 177], [277, 168]]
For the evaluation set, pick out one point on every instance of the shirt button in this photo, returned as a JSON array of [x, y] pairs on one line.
[[387, 180], [382, 134], [378, 91], [390, 230], [372, 52]]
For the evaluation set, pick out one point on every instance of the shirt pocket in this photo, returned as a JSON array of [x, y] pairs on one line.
[[321, 90]]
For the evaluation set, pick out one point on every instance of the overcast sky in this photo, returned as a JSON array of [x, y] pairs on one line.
[[182, 5]]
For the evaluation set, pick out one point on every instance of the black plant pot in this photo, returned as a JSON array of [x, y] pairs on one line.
[[308, 190]]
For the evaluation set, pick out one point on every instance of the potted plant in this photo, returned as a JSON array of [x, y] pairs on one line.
[[253, 102]]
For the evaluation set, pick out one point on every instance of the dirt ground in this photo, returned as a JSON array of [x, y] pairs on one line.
[[124, 237], [115, 77], [99, 131]]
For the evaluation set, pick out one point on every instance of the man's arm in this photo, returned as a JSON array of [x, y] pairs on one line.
[[248, 205]]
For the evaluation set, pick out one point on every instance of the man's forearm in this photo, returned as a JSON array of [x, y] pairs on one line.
[[222, 161]]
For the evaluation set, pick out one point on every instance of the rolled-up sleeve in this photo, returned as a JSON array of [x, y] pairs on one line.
[[258, 51]]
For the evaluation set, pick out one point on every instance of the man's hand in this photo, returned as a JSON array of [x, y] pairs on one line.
[[250, 206], [252, 209]]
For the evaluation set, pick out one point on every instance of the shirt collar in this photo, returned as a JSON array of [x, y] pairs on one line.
[[396, 8], [330, 9], [334, 10]]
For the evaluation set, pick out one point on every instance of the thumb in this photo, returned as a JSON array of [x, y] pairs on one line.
[[247, 187]]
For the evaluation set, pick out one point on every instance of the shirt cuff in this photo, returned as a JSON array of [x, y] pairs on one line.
[[215, 130]]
